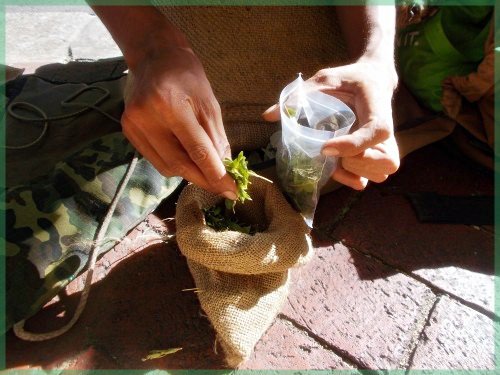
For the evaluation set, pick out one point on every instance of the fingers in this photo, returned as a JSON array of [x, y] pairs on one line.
[[374, 164], [272, 114], [210, 118], [199, 146], [174, 120], [369, 135], [349, 179], [359, 88], [170, 158]]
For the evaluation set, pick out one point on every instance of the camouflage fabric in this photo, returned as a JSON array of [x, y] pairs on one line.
[[51, 222]]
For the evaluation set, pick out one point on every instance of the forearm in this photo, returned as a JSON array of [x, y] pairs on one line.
[[369, 31], [139, 31]]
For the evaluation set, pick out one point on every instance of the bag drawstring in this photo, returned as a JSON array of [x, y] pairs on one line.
[[18, 328], [68, 102]]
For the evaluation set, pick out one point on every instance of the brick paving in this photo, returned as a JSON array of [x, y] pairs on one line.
[[361, 303], [383, 291]]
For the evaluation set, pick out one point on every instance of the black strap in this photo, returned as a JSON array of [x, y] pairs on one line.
[[468, 210]]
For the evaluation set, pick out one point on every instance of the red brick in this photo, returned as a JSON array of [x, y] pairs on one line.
[[285, 347], [384, 224], [350, 301], [89, 358], [456, 337], [472, 286], [333, 206]]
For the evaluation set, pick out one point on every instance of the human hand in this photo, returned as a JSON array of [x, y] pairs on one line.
[[174, 120], [370, 152]]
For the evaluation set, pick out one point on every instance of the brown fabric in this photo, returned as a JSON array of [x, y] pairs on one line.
[[468, 102], [469, 99], [423, 134], [242, 280]]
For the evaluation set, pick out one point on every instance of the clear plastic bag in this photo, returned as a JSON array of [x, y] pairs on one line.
[[308, 119]]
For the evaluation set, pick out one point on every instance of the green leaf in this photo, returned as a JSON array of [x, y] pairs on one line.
[[238, 169], [291, 112], [155, 354], [219, 219]]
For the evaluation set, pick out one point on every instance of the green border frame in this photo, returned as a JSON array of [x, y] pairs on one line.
[[4, 3], [2, 187]]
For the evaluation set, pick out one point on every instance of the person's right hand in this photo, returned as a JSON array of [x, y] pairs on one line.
[[173, 119]]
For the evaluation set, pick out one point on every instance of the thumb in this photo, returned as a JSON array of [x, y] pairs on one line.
[[367, 136], [272, 114]]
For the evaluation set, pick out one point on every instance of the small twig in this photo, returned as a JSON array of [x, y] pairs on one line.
[[252, 173], [190, 290]]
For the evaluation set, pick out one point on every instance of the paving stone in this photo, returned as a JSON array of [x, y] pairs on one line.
[[384, 224], [36, 36], [285, 347], [434, 168], [333, 206], [472, 286], [350, 302], [89, 358], [41, 36], [456, 337], [93, 41]]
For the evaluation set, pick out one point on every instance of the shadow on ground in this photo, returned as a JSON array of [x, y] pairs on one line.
[[381, 222], [138, 307]]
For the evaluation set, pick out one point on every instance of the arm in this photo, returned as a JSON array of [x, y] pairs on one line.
[[369, 31], [171, 115], [371, 152], [366, 85]]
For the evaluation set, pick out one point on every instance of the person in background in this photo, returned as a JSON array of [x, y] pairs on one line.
[[174, 120]]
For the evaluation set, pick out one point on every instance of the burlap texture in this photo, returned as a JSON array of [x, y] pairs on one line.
[[251, 53], [242, 279]]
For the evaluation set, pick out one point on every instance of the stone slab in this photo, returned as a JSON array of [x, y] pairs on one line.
[[383, 223], [285, 347], [359, 307], [456, 337], [36, 36]]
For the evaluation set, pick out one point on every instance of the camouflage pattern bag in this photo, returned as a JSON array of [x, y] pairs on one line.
[[51, 222]]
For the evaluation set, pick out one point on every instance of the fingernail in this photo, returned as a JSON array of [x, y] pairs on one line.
[[330, 151], [230, 195]]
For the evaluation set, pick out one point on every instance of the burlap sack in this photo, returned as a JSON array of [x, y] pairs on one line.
[[242, 280]]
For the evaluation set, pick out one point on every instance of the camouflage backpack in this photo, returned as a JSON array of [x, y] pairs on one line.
[[52, 220]]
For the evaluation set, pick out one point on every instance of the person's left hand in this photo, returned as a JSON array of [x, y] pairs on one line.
[[370, 152]]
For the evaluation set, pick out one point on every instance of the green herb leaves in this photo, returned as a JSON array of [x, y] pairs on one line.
[[300, 177], [215, 219], [221, 219], [155, 354], [238, 169]]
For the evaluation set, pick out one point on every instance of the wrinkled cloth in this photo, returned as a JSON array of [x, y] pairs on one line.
[[469, 99], [468, 113], [63, 137]]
